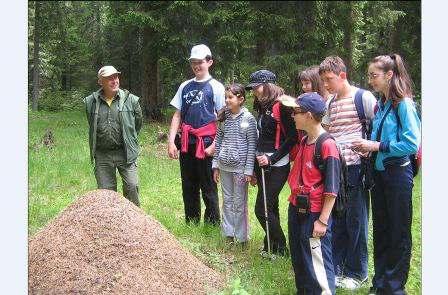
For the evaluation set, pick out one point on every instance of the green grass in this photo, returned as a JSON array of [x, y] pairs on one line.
[[58, 175]]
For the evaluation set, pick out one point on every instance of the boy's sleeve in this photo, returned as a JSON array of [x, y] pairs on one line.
[[177, 99], [218, 141], [330, 155], [219, 96], [369, 102]]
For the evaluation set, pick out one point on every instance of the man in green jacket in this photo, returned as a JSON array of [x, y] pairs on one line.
[[115, 118]]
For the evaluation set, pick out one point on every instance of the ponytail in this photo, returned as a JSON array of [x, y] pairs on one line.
[[400, 83]]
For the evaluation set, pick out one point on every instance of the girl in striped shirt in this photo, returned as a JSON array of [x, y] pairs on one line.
[[233, 162]]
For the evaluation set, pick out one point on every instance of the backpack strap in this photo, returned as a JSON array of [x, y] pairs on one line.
[[317, 159], [380, 126], [360, 110], [398, 121], [279, 126], [301, 145]]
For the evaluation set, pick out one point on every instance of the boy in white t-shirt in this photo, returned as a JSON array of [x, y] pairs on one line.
[[197, 101]]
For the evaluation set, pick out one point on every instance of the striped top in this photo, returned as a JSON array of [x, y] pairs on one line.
[[236, 141], [345, 125]]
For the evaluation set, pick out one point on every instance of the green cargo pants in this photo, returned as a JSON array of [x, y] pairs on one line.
[[106, 164]]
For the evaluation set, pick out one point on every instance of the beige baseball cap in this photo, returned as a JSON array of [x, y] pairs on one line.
[[107, 71], [200, 52]]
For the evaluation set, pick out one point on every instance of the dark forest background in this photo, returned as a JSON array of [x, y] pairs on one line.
[[149, 42]]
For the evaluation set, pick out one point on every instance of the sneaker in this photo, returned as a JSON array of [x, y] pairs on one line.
[[351, 283], [337, 282]]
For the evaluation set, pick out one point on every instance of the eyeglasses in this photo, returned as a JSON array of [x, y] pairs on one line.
[[373, 75], [298, 111]]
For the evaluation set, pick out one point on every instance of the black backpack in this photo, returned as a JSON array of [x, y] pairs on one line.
[[343, 194]]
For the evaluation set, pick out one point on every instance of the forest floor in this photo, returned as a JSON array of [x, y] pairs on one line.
[[60, 171]]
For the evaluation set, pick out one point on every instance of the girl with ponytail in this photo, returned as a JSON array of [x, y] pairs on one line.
[[395, 137]]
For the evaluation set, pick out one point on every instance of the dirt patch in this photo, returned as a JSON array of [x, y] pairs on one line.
[[103, 244]]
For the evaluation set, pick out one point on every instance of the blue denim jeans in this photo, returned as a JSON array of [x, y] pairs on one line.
[[350, 232], [392, 219]]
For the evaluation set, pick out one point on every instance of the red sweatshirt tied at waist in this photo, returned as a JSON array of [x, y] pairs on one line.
[[207, 130]]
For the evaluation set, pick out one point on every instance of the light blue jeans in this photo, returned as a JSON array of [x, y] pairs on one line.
[[234, 205]]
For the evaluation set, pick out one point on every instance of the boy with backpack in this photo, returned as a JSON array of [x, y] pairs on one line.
[[197, 101], [314, 187], [350, 112]]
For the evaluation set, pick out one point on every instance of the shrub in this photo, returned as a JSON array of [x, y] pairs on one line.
[[59, 100]]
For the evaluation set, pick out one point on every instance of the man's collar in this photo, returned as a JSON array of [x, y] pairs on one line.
[[119, 94], [208, 76]]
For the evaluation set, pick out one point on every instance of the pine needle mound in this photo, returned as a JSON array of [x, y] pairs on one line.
[[103, 244]]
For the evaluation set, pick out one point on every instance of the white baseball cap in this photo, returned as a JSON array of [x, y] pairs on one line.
[[200, 52], [107, 71]]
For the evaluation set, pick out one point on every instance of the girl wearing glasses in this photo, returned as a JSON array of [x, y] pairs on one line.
[[395, 136]]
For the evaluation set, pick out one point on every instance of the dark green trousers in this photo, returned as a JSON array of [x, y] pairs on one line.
[[106, 165]]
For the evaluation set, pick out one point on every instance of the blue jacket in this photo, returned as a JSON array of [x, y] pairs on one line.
[[408, 135]]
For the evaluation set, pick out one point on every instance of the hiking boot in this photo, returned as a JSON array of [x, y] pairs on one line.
[[351, 283]]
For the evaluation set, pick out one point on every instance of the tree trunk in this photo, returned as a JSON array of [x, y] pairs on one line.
[[98, 54], [348, 32], [152, 89], [129, 58], [150, 81], [260, 49], [64, 80], [36, 58], [393, 39]]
